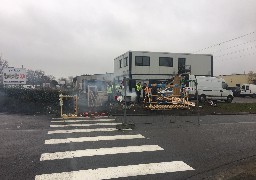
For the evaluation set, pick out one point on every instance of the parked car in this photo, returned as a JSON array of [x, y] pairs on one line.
[[236, 90]]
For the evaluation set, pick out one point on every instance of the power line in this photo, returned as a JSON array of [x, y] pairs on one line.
[[230, 47], [236, 57], [218, 44], [237, 51]]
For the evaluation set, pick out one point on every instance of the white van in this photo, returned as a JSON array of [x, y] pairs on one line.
[[209, 88], [248, 90]]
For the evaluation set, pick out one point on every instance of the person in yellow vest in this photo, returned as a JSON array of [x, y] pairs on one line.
[[138, 88], [110, 92]]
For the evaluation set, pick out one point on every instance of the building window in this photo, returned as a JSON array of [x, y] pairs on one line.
[[166, 61], [120, 63], [125, 61], [142, 61]]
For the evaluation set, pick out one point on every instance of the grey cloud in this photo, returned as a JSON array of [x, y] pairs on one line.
[[70, 38]]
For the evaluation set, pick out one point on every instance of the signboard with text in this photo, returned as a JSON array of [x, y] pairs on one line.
[[14, 76]]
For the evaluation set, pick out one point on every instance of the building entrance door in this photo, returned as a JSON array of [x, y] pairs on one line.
[[181, 65]]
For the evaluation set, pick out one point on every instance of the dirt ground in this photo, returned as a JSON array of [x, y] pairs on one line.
[[244, 169]]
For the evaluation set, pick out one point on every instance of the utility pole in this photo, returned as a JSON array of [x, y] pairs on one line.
[[125, 103], [198, 120], [124, 124]]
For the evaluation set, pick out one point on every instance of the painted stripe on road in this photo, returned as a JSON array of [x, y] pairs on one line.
[[83, 130], [90, 139], [96, 117], [119, 171], [230, 123], [85, 125], [247, 122], [99, 152], [85, 120]]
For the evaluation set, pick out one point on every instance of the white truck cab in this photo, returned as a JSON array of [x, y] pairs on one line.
[[248, 90]]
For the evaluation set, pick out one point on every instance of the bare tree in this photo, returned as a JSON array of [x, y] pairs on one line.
[[3, 64], [70, 80], [63, 79], [252, 77], [38, 77]]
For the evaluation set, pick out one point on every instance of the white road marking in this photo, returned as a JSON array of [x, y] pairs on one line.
[[71, 118], [229, 123], [85, 120], [119, 171], [86, 125], [99, 152], [82, 117], [90, 139], [82, 130], [247, 122]]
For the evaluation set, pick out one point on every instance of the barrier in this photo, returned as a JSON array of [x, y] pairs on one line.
[[75, 99]]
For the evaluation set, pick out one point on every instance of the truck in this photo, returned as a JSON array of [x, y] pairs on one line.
[[248, 90], [208, 88]]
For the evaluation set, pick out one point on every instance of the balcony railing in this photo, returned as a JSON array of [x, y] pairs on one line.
[[184, 69]]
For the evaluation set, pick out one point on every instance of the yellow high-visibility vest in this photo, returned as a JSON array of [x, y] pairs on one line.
[[109, 89], [138, 87]]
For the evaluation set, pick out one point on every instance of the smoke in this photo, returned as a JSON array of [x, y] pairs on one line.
[[133, 95]]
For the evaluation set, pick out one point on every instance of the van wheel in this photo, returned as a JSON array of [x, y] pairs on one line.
[[254, 96], [202, 98], [229, 99]]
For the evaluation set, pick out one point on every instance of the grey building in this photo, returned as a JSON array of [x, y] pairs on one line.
[[144, 65], [78, 81]]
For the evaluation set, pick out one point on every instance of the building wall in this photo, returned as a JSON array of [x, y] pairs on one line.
[[124, 71], [102, 77], [235, 79], [201, 64], [154, 67]]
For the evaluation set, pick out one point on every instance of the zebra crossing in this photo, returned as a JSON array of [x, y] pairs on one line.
[[82, 129]]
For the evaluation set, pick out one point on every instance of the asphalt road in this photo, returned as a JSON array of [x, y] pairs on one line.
[[244, 100], [160, 147]]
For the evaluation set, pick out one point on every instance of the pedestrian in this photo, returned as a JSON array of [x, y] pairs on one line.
[[154, 93], [143, 90], [138, 91], [110, 92], [148, 97]]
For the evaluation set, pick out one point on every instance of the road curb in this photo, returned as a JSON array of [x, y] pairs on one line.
[[239, 113]]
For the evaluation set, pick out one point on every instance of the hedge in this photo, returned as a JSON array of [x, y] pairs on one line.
[[31, 101]]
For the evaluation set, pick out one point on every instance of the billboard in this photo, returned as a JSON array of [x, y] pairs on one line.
[[14, 76]]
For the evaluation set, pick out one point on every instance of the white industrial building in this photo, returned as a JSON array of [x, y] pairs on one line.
[[78, 81], [144, 65]]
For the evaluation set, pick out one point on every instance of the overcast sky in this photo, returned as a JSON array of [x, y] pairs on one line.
[[68, 38]]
